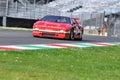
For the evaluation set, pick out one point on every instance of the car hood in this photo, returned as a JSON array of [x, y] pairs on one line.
[[51, 25]]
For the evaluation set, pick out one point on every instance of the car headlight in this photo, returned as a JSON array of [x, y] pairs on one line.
[[36, 29], [61, 31]]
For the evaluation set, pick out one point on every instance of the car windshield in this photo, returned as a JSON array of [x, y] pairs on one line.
[[58, 19]]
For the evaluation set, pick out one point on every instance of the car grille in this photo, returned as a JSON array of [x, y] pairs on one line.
[[48, 34]]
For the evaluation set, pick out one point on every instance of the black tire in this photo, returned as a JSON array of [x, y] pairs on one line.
[[80, 37], [71, 34], [81, 34]]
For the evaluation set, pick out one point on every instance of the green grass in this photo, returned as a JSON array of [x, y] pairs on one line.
[[100, 63]]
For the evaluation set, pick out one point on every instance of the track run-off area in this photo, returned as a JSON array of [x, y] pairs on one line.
[[23, 40]]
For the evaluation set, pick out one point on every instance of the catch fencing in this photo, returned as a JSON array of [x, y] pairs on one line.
[[116, 31], [3, 7]]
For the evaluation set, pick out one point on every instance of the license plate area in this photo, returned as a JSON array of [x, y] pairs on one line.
[[48, 34]]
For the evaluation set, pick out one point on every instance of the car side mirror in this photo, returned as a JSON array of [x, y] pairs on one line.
[[74, 23]]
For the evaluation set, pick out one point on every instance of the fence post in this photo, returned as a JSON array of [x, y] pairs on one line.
[[34, 9], [4, 20]]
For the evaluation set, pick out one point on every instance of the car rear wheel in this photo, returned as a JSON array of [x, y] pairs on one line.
[[72, 34], [80, 37]]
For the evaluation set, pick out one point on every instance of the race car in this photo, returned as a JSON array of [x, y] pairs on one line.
[[61, 27]]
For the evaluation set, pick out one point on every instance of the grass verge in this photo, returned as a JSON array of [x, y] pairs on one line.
[[93, 63]]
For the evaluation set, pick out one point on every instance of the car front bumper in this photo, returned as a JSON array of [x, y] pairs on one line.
[[51, 34]]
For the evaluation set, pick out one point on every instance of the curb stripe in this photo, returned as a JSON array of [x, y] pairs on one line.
[[73, 45], [49, 46], [62, 45], [34, 47], [18, 47], [84, 44], [102, 44], [8, 48]]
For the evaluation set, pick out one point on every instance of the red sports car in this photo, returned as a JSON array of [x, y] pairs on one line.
[[58, 27]]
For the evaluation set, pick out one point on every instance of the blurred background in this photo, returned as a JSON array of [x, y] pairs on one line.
[[98, 17]]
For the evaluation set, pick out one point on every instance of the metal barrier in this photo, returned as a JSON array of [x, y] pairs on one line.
[[117, 28]]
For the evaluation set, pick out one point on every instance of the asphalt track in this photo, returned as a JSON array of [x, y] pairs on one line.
[[18, 37]]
